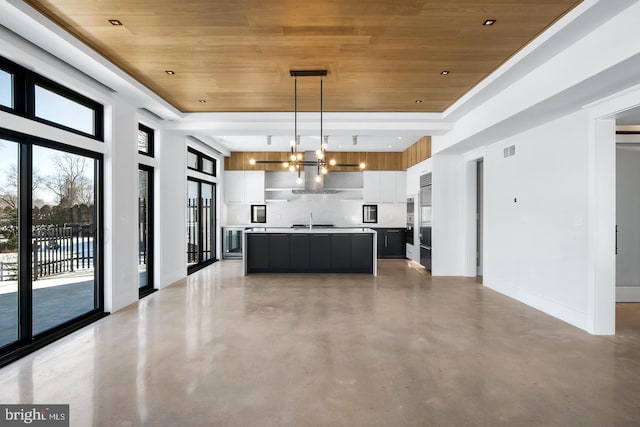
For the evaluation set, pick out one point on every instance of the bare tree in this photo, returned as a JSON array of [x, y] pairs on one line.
[[70, 183]]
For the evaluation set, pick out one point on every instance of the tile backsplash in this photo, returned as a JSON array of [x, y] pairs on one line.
[[338, 209]]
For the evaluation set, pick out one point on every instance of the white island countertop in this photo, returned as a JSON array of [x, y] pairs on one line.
[[303, 230]]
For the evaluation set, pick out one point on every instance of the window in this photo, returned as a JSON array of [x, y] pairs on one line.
[[56, 108], [259, 214], [369, 213], [192, 160], [30, 95], [145, 140], [207, 165], [6, 89], [200, 162]]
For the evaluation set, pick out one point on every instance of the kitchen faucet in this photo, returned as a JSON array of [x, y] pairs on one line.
[[310, 220]]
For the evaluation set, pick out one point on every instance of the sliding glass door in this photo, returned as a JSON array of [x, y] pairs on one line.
[[63, 213], [49, 252], [145, 230], [9, 233], [200, 224]]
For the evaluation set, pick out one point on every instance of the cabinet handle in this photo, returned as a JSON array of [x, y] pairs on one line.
[[393, 231], [385, 241]]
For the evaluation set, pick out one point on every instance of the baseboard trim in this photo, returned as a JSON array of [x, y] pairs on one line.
[[627, 293]]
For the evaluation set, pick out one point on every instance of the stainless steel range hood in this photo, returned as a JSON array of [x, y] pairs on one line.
[[311, 186]]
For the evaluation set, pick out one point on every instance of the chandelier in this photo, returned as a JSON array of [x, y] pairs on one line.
[[296, 161]]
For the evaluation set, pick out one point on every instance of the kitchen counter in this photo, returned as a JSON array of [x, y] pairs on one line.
[[315, 250], [330, 230]]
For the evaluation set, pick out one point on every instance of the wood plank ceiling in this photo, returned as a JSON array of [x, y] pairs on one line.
[[381, 55]]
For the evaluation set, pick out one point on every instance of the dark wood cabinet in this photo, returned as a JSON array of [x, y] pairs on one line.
[[319, 252], [299, 252], [340, 252], [361, 253], [279, 252], [391, 242], [258, 252]]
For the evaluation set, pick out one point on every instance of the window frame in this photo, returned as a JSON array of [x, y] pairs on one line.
[[214, 231], [150, 140], [27, 341], [150, 286], [200, 157], [24, 89], [18, 81]]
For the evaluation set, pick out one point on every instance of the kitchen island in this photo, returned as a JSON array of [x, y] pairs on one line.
[[310, 250]]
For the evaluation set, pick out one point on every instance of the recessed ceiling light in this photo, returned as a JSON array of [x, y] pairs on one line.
[[202, 101], [489, 22], [418, 101], [399, 137], [115, 22], [170, 72], [389, 146], [444, 72]]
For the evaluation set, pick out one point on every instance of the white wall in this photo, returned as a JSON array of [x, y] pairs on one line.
[[448, 202], [628, 221], [536, 216], [172, 224]]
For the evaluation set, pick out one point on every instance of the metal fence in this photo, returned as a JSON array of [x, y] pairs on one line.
[[199, 229], [56, 250]]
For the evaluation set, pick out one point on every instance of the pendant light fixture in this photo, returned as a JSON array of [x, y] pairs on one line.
[[296, 161]]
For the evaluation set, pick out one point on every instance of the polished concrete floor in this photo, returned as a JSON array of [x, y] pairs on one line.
[[402, 349]]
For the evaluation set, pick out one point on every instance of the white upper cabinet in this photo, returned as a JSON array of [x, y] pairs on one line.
[[254, 186], [234, 186], [371, 186], [384, 187], [244, 187]]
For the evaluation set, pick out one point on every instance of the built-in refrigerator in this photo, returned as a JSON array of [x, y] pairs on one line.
[[425, 221]]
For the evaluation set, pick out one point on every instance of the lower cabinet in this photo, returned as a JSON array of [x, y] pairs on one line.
[[258, 252], [309, 253], [319, 253], [340, 252], [299, 256], [279, 252], [391, 242], [361, 253]]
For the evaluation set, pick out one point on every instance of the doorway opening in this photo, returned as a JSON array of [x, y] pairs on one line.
[[479, 215], [627, 221]]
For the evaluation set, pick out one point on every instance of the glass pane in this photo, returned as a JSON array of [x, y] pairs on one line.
[[207, 221], [143, 228], [192, 160], [143, 141], [8, 242], [58, 109], [207, 166], [63, 237], [6, 89], [192, 223]]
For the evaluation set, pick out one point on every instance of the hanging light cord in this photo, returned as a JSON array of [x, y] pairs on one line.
[[294, 146]]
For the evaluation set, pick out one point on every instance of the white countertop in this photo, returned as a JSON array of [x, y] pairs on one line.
[[288, 230]]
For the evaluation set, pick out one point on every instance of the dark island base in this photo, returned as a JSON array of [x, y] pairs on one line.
[[309, 253]]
